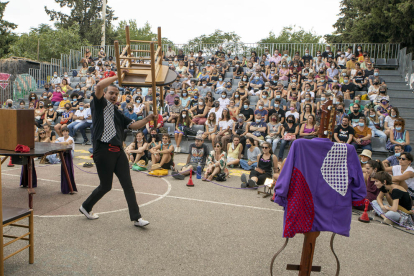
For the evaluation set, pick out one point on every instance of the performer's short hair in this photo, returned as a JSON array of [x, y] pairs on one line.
[[111, 85]]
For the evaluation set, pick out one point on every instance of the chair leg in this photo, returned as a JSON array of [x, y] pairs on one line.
[[31, 239]]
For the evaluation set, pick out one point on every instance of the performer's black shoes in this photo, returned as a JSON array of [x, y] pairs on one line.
[[89, 215], [141, 223]]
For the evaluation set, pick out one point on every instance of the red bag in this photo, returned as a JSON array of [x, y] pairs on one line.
[[21, 148], [64, 122]]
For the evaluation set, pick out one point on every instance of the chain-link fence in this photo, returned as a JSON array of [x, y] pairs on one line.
[[23, 85], [406, 66]]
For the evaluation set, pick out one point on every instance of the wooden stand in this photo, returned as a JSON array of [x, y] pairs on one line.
[[19, 126], [1, 231], [308, 250]]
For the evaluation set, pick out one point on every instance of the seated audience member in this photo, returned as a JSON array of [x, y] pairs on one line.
[[33, 100], [355, 115], [211, 126], [247, 111], [390, 119], [257, 129], [171, 95], [403, 174], [57, 96], [234, 150], [273, 130], [217, 110], [66, 119], [384, 107], [9, 104], [40, 113], [129, 111], [74, 101], [256, 85], [49, 133], [163, 153], [393, 159], [344, 133], [262, 111], [348, 88], [56, 80], [199, 112], [371, 168], [175, 110], [289, 132], [137, 150], [239, 128], [63, 140], [309, 129], [375, 123], [307, 111], [223, 100], [362, 135], [293, 112], [233, 109], [185, 99], [41, 136], [65, 86], [198, 155], [278, 110], [50, 115], [225, 128], [216, 162], [364, 157], [399, 136], [397, 197], [221, 85], [22, 104], [89, 82], [252, 152], [182, 123], [267, 163], [204, 89], [150, 125], [62, 104], [77, 120]]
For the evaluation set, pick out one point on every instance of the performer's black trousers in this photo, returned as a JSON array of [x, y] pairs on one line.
[[107, 163]]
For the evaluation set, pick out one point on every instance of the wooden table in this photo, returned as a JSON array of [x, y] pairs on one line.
[[40, 150]]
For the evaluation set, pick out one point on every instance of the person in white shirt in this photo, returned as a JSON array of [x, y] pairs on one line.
[[217, 110], [77, 120], [55, 80], [224, 101], [403, 174], [84, 125], [64, 140]]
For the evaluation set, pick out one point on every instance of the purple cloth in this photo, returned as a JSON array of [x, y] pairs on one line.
[[64, 185], [332, 207], [24, 181]]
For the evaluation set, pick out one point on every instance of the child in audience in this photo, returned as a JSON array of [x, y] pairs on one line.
[[182, 123], [163, 153], [137, 150], [64, 140], [211, 127]]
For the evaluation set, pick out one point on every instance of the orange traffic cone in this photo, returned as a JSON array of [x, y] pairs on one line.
[[364, 217], [190, 181], [10, 163]]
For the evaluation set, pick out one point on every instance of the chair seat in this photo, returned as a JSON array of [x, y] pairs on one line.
[[13, 213]]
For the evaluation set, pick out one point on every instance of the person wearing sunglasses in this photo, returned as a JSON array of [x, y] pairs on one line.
[[403, 174], [266, 164], [216, 162], [42, 137]]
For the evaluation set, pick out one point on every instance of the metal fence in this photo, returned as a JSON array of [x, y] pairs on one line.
[[23, 85], [375, 50], [6, 87], [406, 66]]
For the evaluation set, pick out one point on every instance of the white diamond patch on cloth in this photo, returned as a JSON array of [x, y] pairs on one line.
[[335, 170]]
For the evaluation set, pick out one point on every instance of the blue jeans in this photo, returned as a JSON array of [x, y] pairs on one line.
[[73, 127], [283, 144], [380, 134], [82, 128], [367, 147], [395, 216], [54, 159], [246, 166], [55, 103]]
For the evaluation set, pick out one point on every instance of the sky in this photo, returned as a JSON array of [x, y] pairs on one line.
[[183, 20]]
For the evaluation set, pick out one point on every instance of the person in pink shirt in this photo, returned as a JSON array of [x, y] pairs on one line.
[[57, 96], [276, 58], [169, 98]]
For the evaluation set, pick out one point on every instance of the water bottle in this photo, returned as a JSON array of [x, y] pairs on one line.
[[199, 171]]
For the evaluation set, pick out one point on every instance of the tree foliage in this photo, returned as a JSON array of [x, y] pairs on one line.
[[374, 22], [292, 34], [7, 37], [87, 14], [209, 43], [136, 33], [53, 43]]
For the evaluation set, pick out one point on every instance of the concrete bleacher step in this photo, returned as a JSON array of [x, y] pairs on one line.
[[406, 112], [393, 78], [400, 94], [398, 86], [407, 102], [390, 73]]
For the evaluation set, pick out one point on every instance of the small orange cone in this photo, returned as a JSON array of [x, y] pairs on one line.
[[364, 217], [10, 163], [190, 181]]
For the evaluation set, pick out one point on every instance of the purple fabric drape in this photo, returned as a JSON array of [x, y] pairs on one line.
[[25, 172], [64, 185]]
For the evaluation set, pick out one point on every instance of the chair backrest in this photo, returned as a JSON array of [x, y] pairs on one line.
[[392, 61], [381, 61]]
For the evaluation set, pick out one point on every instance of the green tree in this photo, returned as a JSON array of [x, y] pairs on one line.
[[210, 43], [87, 14], [52, 42], [374, 22], [292, 34], [7, 37]]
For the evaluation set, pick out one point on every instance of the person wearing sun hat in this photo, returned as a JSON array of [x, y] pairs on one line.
[[365, 156]]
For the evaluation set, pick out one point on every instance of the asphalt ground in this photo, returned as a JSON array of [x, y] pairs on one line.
[[202, 230]]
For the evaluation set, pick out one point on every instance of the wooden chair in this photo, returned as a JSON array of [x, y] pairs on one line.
[[11, 216]]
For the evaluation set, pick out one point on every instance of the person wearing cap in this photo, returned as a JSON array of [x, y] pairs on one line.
[[198, 153], [365, 156]]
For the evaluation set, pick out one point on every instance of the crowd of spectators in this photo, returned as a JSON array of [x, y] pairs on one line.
[[250, 109]]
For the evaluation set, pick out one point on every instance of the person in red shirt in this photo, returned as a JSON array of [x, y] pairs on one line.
[[150, 125], [108, 72]]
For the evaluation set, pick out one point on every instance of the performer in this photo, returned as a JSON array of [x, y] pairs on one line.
[[108, 132]]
